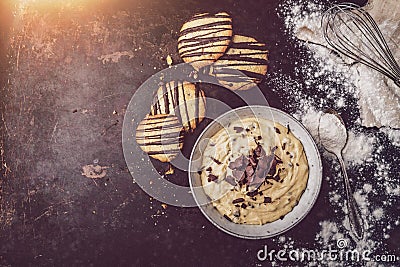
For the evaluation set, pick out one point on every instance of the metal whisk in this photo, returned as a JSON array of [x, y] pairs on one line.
[[351, 31]]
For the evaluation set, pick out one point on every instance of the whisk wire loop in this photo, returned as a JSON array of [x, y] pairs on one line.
[[351, 31]]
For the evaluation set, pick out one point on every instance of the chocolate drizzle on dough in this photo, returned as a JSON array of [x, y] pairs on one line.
[[183, 99], [205, 37], [244, 65], [160, 136]]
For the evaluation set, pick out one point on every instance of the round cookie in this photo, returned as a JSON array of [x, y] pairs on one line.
[[244, 65], [205, 38], [183, 99], [160, 136]]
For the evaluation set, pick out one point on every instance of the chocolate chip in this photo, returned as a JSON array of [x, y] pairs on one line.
[[238, 200], [226, 217], [288, 129], [238, 129], [267, 200], [216, 161], [283, 146], [297, 164], [209, 169], [259, 137], [212, 178], [243, 206], [253, 193], [277, 130], [199, 172], [236, 213]]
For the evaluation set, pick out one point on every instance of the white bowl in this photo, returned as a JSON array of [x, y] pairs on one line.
[[306, 201]]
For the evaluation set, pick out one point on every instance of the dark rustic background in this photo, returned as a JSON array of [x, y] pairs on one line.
[[62, 109]]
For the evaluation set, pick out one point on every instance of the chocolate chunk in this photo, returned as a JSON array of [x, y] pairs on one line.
[[267, 200], [259, 151], [216, 161], [238, 129], [226, 217], [239, 163], [249, 171], [259, 137], [243, 181], [252, 161], [243, 206], [238, 200], [264, 165], [272, 169], [212, 178], [209, 169], [230, 179], [277, 130], [238, 175]]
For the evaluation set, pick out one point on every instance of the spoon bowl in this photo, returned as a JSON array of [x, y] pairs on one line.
[[333, 135]]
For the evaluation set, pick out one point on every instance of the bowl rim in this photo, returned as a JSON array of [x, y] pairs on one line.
[[311, 202]]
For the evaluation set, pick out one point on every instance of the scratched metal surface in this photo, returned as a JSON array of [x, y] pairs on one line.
[[64, 91]]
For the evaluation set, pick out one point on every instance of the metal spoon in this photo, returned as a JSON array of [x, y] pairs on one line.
[[334, 142]]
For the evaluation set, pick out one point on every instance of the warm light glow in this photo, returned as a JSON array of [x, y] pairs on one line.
[[53, 3], [49, 5]]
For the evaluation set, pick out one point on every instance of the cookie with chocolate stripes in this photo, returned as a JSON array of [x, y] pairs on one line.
[[160, 136], [183, 99], [205, 38], [243, 66]]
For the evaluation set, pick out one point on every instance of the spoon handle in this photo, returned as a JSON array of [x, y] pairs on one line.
[[356, 223]]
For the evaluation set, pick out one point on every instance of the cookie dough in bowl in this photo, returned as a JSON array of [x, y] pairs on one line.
[[257, 172]]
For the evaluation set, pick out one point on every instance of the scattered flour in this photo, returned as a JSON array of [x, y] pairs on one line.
[[359, 148], [369, 154], [393, 135]]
